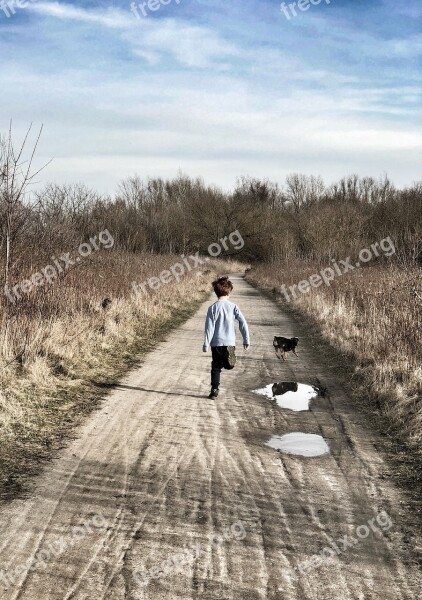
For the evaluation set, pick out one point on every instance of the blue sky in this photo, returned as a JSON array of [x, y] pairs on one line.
[[216, 89]]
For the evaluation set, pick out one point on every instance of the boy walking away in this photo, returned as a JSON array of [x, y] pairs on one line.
[[220, 332]]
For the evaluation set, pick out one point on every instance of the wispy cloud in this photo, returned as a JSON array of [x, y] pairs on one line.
[[106, 17], [191, 45]]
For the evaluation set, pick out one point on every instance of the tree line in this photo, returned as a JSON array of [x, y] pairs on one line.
[[300, 219]]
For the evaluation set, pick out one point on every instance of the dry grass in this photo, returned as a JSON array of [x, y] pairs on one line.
[[59, 348], [372, 316]]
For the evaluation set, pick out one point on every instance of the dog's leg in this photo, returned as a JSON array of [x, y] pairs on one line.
[[277, 354], [284, 355], [295, 353]]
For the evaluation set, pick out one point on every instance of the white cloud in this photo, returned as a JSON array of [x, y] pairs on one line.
[[107, 17], [151, 39], [220, 129], [190, 45]]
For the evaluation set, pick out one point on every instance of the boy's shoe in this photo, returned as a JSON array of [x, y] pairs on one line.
[[213, 393], [230, 358]]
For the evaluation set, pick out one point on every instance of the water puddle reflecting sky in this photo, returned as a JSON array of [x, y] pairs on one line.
[[299, 444], [289, 394]]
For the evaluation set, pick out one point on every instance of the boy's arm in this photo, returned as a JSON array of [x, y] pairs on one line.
[[243, 326], [209, 330]]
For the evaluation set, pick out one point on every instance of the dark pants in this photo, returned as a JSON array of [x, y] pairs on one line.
[[219, 362]]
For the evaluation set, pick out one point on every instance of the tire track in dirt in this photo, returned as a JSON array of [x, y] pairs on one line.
[[169, 469]]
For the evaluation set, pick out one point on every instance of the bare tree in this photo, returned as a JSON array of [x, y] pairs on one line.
[[303, 190], [16, 175]]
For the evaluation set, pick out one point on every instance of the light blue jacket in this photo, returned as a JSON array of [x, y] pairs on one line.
[[220, 325]]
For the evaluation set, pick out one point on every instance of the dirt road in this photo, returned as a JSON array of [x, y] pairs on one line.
[[168, 495]]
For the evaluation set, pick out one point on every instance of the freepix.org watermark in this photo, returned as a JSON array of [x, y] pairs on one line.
[[327, 275], [290, 10], [181, 561], [187, 264], [60, 265], [52, 550], [377, 525], [141, 10], [10, 7]]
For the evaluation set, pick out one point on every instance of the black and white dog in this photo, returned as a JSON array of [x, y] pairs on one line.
[[283, 345]]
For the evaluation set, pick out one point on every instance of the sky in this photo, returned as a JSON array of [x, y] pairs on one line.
[[215, 88]]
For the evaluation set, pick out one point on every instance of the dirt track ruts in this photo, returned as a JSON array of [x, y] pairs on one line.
[[167, 468]]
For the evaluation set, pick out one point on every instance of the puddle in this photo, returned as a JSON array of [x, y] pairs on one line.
[[300, 444], [289, 394]]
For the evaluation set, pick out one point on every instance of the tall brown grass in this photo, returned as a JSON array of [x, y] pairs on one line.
[[374, 317]]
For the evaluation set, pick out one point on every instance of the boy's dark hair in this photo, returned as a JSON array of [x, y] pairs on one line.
[[222, 287]]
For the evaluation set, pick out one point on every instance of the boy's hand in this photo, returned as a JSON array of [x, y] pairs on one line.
[[245, 346]]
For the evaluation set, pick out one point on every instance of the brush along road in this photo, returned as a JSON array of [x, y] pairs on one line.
[[165, 494]]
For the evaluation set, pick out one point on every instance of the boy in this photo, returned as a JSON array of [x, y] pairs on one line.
[[220, 332]]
